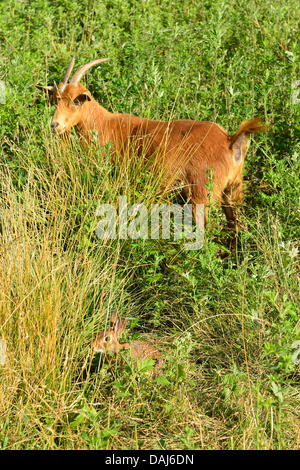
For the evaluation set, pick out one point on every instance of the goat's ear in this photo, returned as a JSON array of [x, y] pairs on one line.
[[80, 99], [50, 91], [46, 89], [239, 148]]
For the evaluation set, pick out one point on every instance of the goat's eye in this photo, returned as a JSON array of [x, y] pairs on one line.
[[77, 102]]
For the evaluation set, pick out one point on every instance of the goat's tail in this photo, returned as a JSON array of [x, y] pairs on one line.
[[248, 127]]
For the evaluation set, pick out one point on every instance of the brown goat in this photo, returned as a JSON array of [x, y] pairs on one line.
[[187, 149]]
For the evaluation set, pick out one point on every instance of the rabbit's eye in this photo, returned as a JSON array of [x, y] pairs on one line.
[[106, 339]]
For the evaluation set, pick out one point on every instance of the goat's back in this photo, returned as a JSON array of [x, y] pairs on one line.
[[186, 149]]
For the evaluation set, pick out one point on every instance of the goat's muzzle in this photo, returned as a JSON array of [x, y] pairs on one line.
[[56, 128]]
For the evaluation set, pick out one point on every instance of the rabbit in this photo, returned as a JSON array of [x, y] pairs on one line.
[[108, 341]]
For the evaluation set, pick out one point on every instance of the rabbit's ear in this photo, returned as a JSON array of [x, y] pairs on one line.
[[113, 317], [119, 326]]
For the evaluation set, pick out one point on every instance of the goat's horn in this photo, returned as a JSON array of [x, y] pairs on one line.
[[80, 72], [69, 70], [67, 74]]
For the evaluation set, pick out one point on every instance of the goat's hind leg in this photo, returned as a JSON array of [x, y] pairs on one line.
[[231, 197]]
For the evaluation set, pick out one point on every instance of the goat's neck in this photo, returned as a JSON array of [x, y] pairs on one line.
[[110, 127], [98, 119]]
